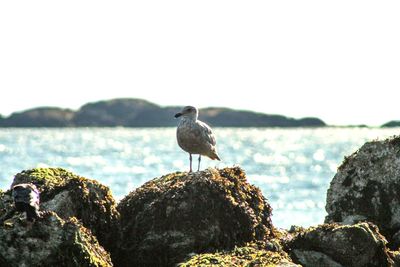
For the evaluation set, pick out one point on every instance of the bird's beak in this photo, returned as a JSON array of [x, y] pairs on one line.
[[177, 115]]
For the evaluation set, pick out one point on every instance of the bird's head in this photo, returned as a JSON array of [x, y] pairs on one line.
[[188, 112]]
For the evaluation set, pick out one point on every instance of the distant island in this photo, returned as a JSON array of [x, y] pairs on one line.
[[391, 124], [129, 112]]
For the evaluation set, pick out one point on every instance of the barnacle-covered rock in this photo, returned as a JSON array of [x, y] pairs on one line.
[[252, 254], [340, 245], [367, 188], [174, 215], [49, 241], [70, 195]]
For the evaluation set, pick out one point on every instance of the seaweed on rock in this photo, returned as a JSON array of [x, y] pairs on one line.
[[49, 241], [70, 195], [174, 215], [252, 254]]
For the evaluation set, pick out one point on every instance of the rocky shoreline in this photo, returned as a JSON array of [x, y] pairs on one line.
[[208, 218]]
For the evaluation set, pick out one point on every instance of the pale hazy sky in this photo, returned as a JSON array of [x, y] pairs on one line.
[[336, 60]]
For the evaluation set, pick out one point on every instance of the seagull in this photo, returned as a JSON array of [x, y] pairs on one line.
[[195, 136]]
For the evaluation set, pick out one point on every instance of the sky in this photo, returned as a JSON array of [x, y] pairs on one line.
[[336, 60]]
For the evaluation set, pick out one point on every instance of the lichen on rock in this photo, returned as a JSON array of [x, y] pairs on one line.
[[49, 241], [340, 245], [367, 188], [174, 215]]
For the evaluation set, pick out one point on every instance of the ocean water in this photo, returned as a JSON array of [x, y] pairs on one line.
[[292, 167]]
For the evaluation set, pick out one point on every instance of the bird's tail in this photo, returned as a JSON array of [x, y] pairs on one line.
[[214, 155]]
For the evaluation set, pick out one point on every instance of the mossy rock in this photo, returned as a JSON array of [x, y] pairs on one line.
[[340, 245], [252, 254], [46, 179], [395, 255], [174, 215], [367, 188], [70, 195], [6, 202], [49, 241], [2, 206]]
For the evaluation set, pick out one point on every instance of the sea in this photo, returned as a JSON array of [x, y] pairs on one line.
[[293, 167]]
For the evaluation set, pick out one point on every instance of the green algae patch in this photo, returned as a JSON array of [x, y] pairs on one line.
[[50, 241], [199, 212], [250, 255], [46, 179]]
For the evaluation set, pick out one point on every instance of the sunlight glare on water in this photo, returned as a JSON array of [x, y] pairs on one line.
[[292, 167]]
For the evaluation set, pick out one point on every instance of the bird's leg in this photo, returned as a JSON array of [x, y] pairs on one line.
[[190, 159], [198, 167]]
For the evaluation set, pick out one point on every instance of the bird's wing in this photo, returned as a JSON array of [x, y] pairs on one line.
[[207, 133]]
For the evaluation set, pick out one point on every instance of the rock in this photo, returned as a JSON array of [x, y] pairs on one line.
[[367, 187], [395, 255], [250, 255], [391, 124], [238, 118], [49, 241], [120, 112], [70, 195], [340, 245], [174, 215], [6, 204], [40, 117], [2, 206]]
